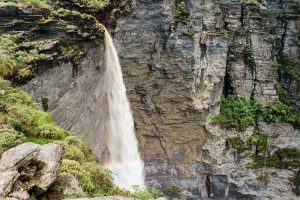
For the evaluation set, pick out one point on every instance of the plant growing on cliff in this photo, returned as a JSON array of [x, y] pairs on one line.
[[181, 14], [236, 112]]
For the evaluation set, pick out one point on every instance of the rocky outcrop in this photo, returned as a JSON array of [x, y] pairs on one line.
[[29, 168]]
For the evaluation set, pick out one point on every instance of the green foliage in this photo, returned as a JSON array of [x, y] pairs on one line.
[[289, 69], [14, 62], [35, 3], [145, 194], [255, 3], [72, 152], [92, 178], [279, 112], [285, 158], [190, 33], [247, 53], [181, 14], [50, 131], [239, 30], [22, 114], [236, 112], [9, 138], [238, 144], [96, 5], [223, 32], [259, 141], [174, 191], [296, 189], [284, 96]]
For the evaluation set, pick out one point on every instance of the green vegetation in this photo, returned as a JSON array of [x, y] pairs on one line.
[[190, 33], [236, 112], [174, 192], [181, 14], [256, 140], [223, 32], [240, 31], [35, 3], [247, 53], [259, 141], [10, 138], [147, 194], [15, 63], [96, 5], [285, 158], [289, 69]]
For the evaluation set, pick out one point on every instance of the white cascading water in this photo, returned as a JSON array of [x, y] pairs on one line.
[[124, 160]]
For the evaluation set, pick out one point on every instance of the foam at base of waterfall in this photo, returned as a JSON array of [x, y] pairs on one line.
[[127, 174]]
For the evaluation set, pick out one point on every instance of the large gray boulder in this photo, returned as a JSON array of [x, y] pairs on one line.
[[7, 180], [18, 156], [28, 166], [51, 156]]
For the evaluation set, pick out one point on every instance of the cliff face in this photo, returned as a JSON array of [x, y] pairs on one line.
[[176, 73], [178, 58]]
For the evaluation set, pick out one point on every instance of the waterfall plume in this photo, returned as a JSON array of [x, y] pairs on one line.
[[124, 159]]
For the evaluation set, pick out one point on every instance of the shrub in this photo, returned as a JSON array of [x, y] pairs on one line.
[[9, 138], [279, 112], [236, 112], [92, 178], [36, 3], [239, 30], [50, 131], [94, 4], [181, 14], [145, 194], [174, 191]]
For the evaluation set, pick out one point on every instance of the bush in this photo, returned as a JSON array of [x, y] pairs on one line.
[[174, 191], [92, 178], [236, 112], [145, 194], [181, 14], [239, 30], [9, 138], [279, 112], [50, 131]]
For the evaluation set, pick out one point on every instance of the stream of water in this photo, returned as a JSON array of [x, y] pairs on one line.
[[124, 160]]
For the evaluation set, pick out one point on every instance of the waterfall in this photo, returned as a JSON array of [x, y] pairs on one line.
[[124, 159]]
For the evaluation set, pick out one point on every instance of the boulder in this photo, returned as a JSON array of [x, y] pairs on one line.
[[19, 156], [51, 156], [7, 180], [67, 185]]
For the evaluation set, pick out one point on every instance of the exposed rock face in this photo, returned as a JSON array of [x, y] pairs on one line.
[[69, 86], [29, 167], [175, 75]]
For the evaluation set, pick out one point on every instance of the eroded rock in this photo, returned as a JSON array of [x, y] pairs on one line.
[[7, 180], [51, 156], [19, 156], [29, 166]]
